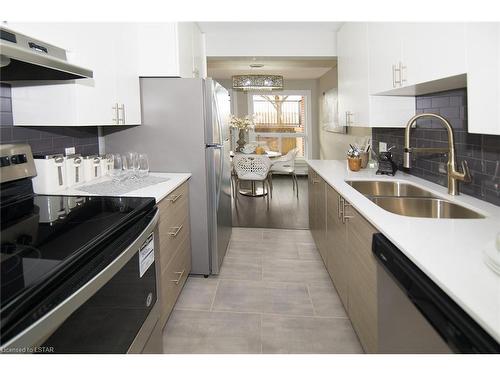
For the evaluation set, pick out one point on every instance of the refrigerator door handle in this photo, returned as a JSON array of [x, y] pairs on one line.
[[217, 113], [221, 173], [214, 145]]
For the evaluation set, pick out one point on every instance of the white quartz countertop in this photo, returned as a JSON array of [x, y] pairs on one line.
[[157, 191], [449, 251]]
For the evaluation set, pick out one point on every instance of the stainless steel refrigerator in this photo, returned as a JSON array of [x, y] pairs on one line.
[[185, 128]]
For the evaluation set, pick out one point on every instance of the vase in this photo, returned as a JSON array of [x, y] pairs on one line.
[[241, 141]]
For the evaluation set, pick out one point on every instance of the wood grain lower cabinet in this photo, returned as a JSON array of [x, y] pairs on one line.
[[175, 248], [317, 211], [311, 175], [344, 241], [362, 282], [336, 237], [173, 279]]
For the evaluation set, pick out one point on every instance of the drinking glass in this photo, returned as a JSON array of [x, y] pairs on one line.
[[132, 164], [117, 171], [109, 164], [143, 166]]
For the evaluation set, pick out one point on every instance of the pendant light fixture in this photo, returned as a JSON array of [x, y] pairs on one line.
[[258, 82]]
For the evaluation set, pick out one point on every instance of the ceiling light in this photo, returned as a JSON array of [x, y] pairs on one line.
[[256, 66], [257, 82]]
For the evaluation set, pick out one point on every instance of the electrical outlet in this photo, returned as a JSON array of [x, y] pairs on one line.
[[69, 151], [382, 146]]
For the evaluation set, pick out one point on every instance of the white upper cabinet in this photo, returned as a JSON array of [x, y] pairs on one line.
[[118, 54], [385, 51], [432, 51], [128, 96], [483, 77], [178, 50], [356, 106], [352, 75], [78, 102], [405, 55], [158, 50]]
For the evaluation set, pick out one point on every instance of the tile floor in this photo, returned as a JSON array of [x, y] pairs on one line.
[[273, 295]]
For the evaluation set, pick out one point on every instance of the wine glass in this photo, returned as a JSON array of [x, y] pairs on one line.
[[143, 170]]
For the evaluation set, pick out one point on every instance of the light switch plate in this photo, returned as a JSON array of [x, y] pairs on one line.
[[382, 146], [69, 151]]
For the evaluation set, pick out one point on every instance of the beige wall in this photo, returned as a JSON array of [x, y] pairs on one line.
[[334, 145]]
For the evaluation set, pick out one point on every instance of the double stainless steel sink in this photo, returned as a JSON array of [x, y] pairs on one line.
[[409, 200]]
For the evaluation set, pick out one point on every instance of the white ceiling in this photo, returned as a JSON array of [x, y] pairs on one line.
[[245, 27], [291, 68]]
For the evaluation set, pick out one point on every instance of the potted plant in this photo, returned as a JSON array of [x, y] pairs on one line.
[[243, 124]]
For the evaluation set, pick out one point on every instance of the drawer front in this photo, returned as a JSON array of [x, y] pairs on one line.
[[175, 198], [174, 277], [174, 224], [173, 232]]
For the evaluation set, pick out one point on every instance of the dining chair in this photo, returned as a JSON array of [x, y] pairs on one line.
[[286, 165], [234, 177], [254, 168]]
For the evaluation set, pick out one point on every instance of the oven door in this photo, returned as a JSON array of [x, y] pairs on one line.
[[115, 312]]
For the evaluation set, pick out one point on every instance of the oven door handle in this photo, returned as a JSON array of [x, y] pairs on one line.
[[38, 332]]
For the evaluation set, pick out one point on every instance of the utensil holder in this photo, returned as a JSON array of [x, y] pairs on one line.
[[354, 164], [364, 159]]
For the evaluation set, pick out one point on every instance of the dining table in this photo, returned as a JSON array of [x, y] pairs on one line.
[[253, 190]]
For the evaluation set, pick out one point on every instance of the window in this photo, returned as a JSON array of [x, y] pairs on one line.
[[280, 121]]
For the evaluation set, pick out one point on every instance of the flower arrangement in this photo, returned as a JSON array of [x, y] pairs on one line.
[[242, 123]]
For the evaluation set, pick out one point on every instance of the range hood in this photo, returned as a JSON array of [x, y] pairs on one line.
[[23, 58]]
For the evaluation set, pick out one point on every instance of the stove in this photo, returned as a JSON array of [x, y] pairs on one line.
[[52, 247]]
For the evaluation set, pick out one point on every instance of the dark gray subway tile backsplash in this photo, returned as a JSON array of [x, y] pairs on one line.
[[45, 139], [482, 152]]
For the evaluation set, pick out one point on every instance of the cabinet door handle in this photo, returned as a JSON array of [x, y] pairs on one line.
[[344, 216], [178, 280], [122, 119], [397, 69], [175, 232], [173, 198], [348, 118], [116, 119], [393, 76], [338, 206], [402, 78]]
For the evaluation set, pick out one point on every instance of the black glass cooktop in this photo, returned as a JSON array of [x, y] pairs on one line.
[[41, 235]]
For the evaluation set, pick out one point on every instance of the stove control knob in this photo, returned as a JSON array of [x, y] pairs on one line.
[[18, 159], [4, 161]]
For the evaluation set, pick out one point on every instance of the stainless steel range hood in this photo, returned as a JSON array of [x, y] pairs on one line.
[[23, 58]]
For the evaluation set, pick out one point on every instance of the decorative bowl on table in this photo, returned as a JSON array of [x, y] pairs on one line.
[[249, 148]]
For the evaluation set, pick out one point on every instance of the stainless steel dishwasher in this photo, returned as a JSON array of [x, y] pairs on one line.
[[415, 315]]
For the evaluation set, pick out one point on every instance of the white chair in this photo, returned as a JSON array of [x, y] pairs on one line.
[[252, 168], [234, 178], [286, 165]]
